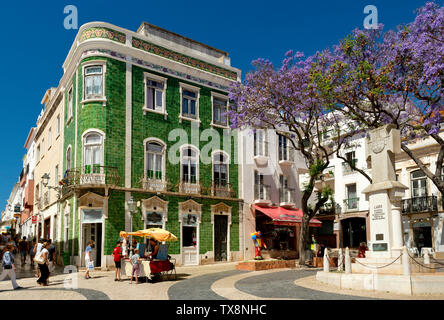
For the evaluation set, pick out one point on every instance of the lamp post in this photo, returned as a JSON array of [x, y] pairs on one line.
[[132, 207]]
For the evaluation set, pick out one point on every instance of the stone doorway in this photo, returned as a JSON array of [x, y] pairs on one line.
[[353, 232]]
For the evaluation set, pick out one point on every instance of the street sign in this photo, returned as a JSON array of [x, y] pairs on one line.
[[34, 219]]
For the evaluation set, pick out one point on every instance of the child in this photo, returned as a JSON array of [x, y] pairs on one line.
[[135, 258], [117, 253]]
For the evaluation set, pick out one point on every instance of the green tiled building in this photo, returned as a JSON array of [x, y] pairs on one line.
[[144, 122]]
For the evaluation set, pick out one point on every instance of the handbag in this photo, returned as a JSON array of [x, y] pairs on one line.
[[91, 265], [39, 258]]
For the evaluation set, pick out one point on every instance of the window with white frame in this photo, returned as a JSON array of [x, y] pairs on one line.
[[220, 108], [419, 183], [155, 153], [189, 102], [93, 82], [259, 143], [70, 103], [153, 219], [260, 189], [93, 152], [285, 194], [155, 94], [283, 147], [189, 164], [68, 158], [220, 169]]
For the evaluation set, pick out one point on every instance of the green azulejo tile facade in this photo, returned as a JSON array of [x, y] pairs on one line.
[[118, 124]]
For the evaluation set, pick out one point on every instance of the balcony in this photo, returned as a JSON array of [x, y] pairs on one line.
[[346, 168], [154, 182], [351, 204], [262, 195], [420, 204], [261, 153], [286, 156], [91, 175], [189, 188], [329, 209], [223, 190], [285, 198]]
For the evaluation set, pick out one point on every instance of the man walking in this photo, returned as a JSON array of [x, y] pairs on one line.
[[23, 249], [9, 267]]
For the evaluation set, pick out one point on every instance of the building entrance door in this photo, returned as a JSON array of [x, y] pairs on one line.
[[353, 232], [422, 235], [220, 237], [92, 231]]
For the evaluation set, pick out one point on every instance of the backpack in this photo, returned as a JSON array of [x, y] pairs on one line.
[[6, 260]]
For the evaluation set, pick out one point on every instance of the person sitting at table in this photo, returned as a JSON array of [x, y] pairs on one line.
[[154, 249]]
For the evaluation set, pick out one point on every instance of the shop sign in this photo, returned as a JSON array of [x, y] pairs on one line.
[[17, 208], [34, 219]]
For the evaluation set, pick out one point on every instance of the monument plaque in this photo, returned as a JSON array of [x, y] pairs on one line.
[[385, 193]]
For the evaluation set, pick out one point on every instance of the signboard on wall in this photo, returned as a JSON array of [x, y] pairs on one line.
[[91, 215], [34, 219]]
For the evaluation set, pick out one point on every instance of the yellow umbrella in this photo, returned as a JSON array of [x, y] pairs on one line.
[[136, 233], [157, 234]]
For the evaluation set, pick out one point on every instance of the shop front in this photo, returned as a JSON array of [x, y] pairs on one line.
[[280, 228]]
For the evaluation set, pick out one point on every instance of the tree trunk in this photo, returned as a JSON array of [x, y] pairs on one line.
[[303, 237]]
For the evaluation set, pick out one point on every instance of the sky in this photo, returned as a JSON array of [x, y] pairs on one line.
[[35, 43]]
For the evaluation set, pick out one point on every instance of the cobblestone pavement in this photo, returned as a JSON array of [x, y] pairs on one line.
[[207, 282]]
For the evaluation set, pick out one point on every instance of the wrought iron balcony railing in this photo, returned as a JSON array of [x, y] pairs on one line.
[[329, 209], [224, 190], [152, 184], [351, 204], [420, 204], [189, 187], [91, 175], [346, 168]]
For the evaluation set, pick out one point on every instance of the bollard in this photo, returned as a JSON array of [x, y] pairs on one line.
[[340, 260], [326, 261], [348, 266], [405, 262], [426, 256]]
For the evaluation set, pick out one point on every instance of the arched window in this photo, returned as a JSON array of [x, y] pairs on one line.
[[154, 160], [419, 184], [220, 169], [93, 152], [189, 165]]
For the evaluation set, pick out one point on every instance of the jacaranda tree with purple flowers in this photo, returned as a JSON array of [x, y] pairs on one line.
[[285, 99], [375, 78]]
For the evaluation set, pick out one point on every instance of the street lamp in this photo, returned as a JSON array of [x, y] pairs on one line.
[[132, 205], [45, 179]]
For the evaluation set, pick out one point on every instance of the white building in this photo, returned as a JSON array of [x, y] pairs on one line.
[[27, 183], [268, 180]]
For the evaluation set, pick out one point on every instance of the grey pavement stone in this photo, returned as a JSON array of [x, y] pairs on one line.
[[199, 288], [281, 285]]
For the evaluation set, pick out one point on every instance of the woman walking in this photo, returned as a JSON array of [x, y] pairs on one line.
[[88, 258], [43, 265]]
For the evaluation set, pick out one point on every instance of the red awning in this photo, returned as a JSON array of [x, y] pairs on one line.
[[286, 217]]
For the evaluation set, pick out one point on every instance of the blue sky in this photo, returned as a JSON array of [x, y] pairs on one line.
[[35, 43]]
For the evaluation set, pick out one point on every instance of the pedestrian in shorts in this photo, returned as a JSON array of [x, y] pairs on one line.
[[135, 260]]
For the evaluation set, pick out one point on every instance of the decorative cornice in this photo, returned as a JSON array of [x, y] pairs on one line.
[[103, 33], [179, 57], [155, 67]]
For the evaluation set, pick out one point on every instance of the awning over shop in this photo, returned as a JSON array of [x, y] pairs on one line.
[[286, 217]]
